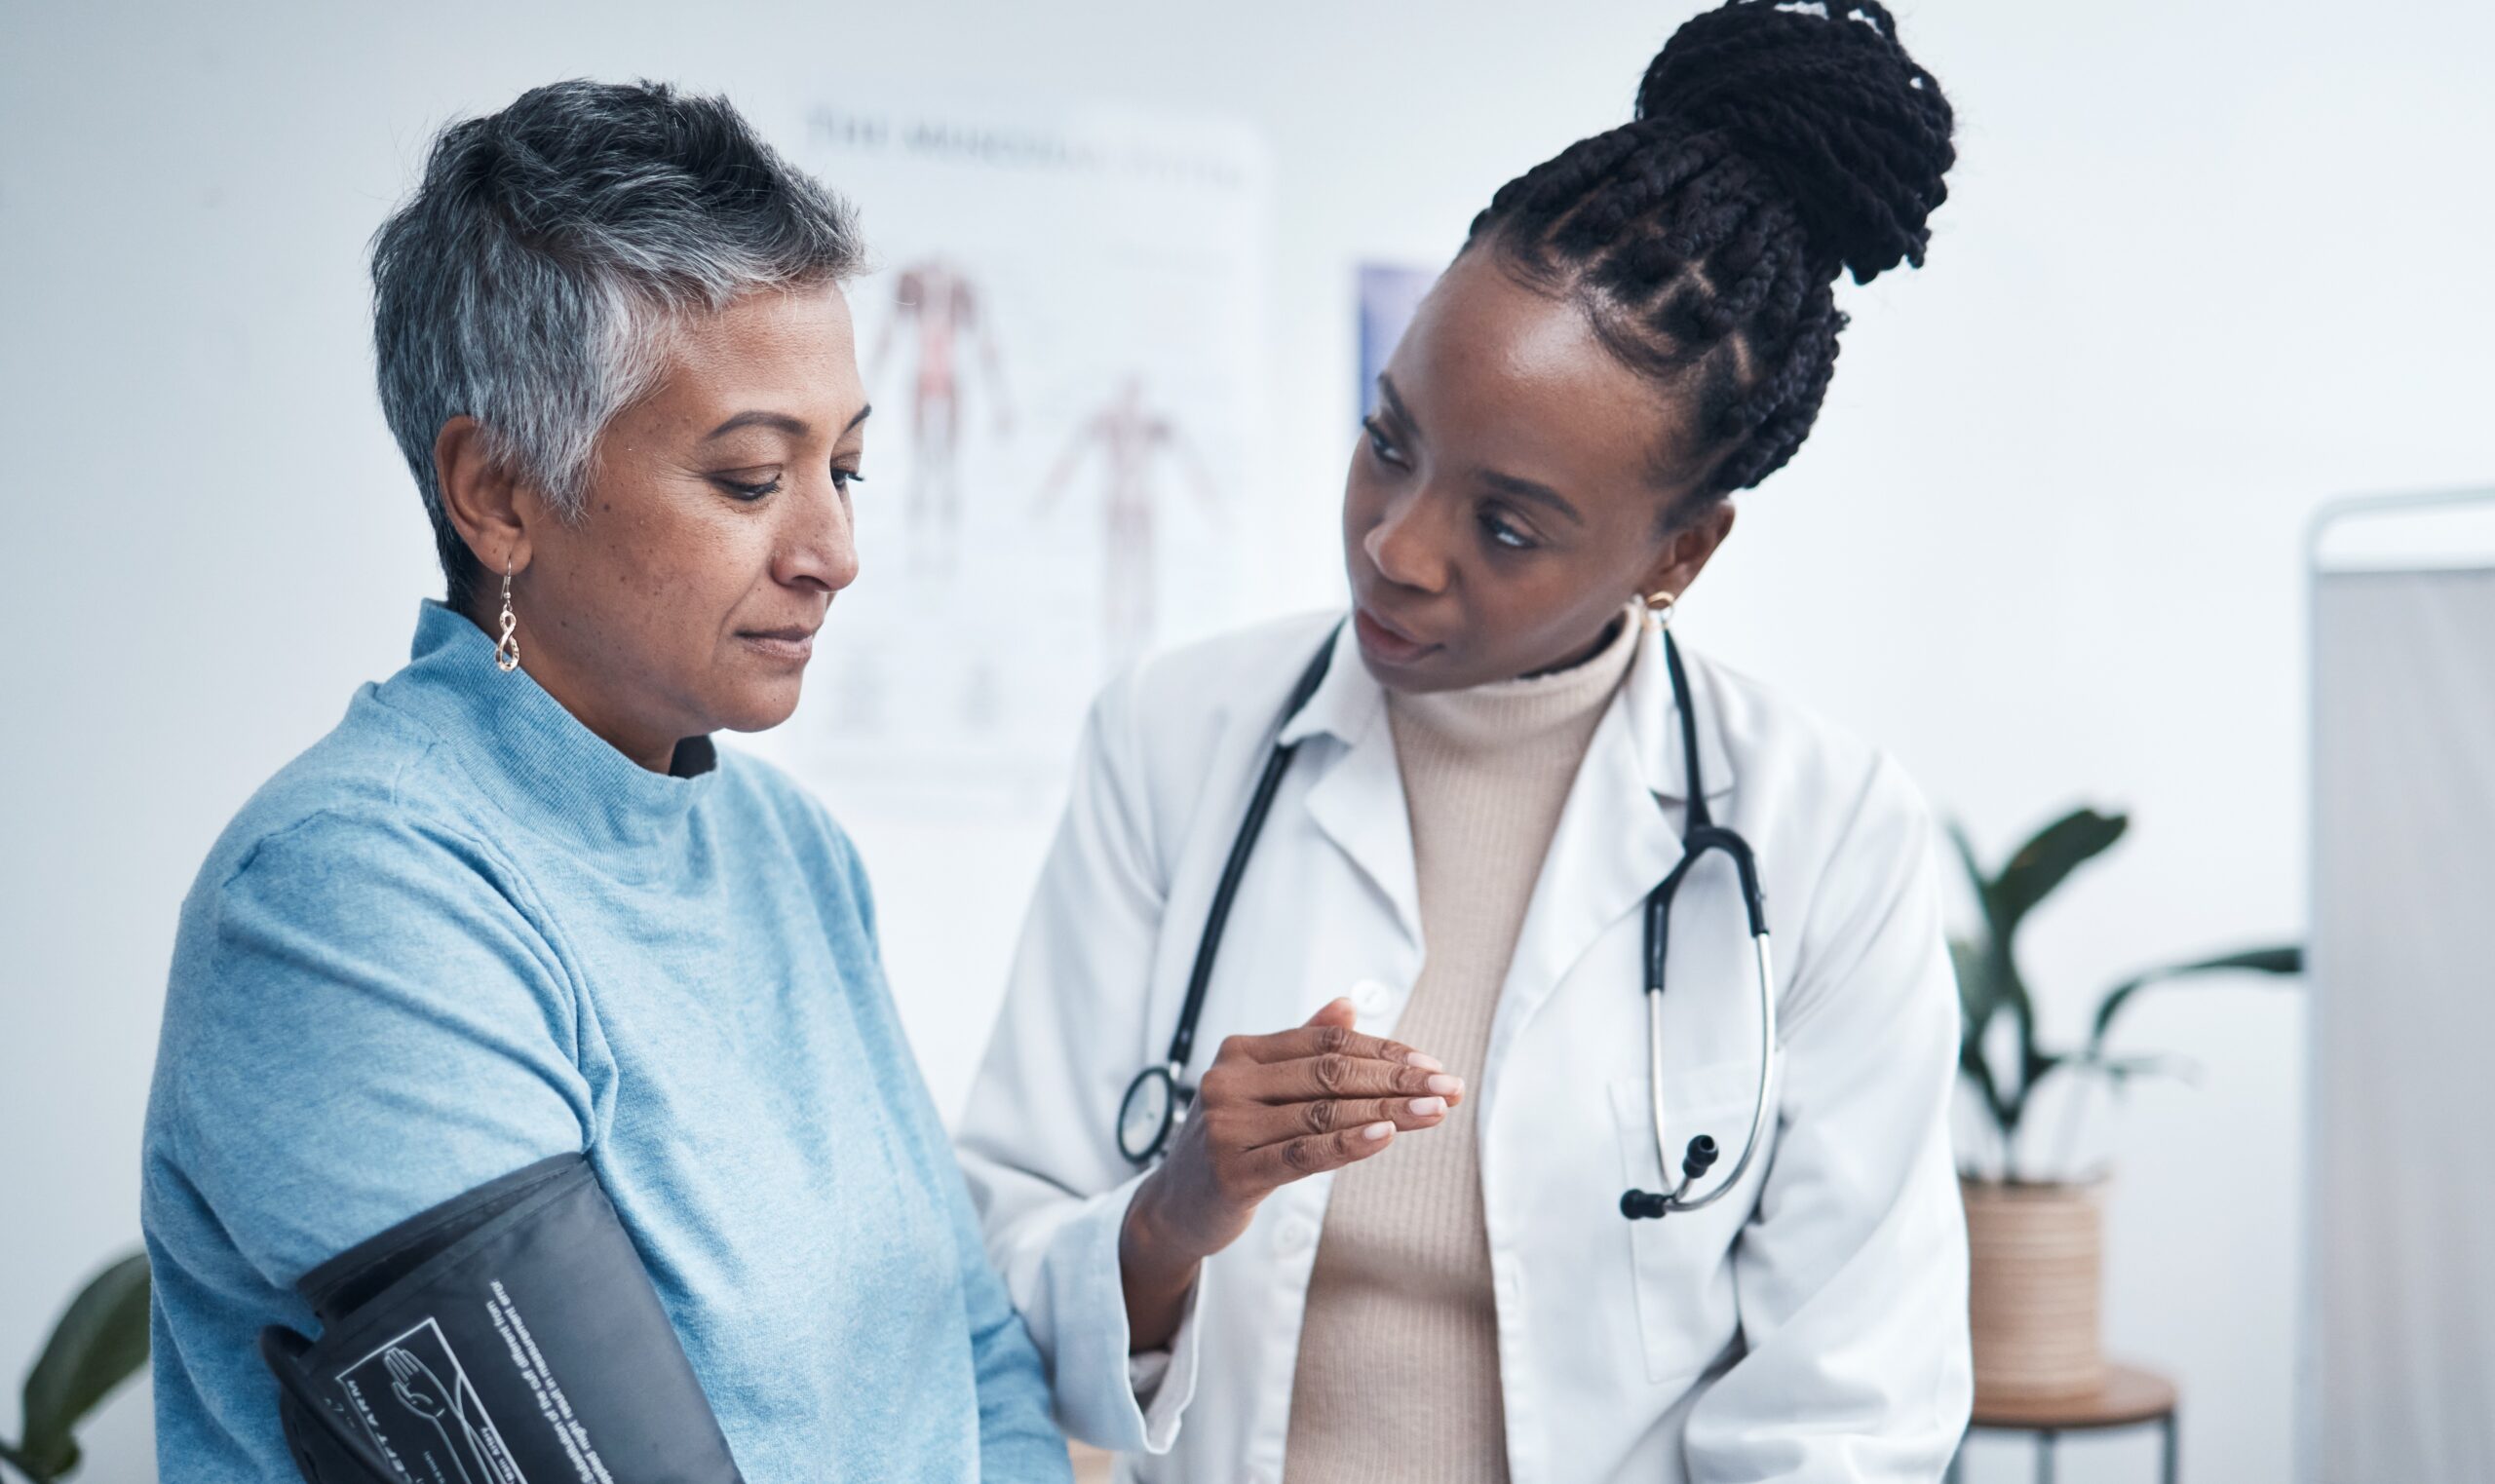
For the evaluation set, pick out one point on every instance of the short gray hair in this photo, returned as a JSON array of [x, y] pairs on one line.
[[531, 280]]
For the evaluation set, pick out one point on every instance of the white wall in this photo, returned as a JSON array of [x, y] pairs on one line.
[[2205, 264]]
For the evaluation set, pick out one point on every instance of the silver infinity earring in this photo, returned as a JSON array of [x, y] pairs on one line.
[[507, 648]]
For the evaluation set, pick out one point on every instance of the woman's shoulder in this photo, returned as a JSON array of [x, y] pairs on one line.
[[1781, 747], [1839, 826], [373, 792]]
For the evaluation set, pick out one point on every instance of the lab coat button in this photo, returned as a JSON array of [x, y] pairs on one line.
[[1295, 1236], [1368, 997]]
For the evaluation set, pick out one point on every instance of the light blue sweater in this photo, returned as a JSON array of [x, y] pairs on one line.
[[462, 933]]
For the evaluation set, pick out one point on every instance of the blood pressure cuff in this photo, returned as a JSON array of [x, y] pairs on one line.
[[507, 1336]]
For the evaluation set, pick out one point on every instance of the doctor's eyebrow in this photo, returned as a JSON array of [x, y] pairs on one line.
[[1515, 486], [1395, 407], [1536, 493]]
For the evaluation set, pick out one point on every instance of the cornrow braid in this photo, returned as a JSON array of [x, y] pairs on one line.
[[1773, 146]]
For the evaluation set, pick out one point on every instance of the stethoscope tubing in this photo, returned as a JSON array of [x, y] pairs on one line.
[[1176, 1094], [1678, 1198]]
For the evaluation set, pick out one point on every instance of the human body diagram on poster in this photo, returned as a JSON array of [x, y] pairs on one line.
[[1064, 354]]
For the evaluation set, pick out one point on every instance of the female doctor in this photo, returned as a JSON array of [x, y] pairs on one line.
[[1433, 1200]]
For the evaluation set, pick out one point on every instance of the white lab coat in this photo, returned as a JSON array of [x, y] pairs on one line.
[[1812, 1325]]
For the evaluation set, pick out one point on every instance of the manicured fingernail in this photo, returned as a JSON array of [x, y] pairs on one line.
[[1425, 1063], [1445, 1085], [1428, 1107], [1376, 1131]]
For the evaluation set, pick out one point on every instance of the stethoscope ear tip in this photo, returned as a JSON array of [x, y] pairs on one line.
[[1644, 1205]]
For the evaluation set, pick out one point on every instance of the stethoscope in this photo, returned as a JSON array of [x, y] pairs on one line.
[[1156, 1102]]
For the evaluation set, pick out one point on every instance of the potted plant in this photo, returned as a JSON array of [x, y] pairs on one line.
[[2035, 1231], [101, 1341]]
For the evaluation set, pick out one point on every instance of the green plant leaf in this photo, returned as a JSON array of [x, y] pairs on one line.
[[2284, 959], [2004, 989], [1987, 985], [1978, 878], [2118, 1071], [63, 1461], [2032, 1063], [1979, 996], [99, 1343], [1973, 1066], [10, 1456], [2046, 862]]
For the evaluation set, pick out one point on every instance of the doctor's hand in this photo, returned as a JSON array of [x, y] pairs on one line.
[[1270, 1110]]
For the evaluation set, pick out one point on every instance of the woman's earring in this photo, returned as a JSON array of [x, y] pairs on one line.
[[507, 648], [1659, 610]]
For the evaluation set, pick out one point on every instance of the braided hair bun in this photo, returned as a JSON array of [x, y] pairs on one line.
[[1775, 145], [1824, 99]]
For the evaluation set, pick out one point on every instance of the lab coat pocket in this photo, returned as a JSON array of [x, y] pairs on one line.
[[1686, 1309]]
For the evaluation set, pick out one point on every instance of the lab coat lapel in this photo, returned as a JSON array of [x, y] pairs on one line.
[[1618, 835], [1357, 801]]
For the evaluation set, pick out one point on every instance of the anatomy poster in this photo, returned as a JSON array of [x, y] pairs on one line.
[[1060, 339]]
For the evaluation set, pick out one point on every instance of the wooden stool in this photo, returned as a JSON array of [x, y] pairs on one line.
[[2131, 1399]]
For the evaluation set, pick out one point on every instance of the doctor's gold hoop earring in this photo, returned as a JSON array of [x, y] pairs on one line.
[[1659, 610], [507, 647]]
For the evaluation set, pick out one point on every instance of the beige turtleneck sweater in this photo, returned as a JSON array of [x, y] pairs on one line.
[[1399, 1354]]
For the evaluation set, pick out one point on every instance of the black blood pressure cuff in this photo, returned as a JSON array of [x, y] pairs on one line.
[[507, 1336]]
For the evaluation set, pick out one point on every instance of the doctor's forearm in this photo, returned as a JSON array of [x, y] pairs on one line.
[[1155, 1275]]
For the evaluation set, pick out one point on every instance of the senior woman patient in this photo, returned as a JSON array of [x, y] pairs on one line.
[[518, 906]]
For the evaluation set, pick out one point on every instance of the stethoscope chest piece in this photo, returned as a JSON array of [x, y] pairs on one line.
[[1153, 1106]]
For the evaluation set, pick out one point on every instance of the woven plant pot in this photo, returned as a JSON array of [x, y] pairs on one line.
[[2035, 1289]]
